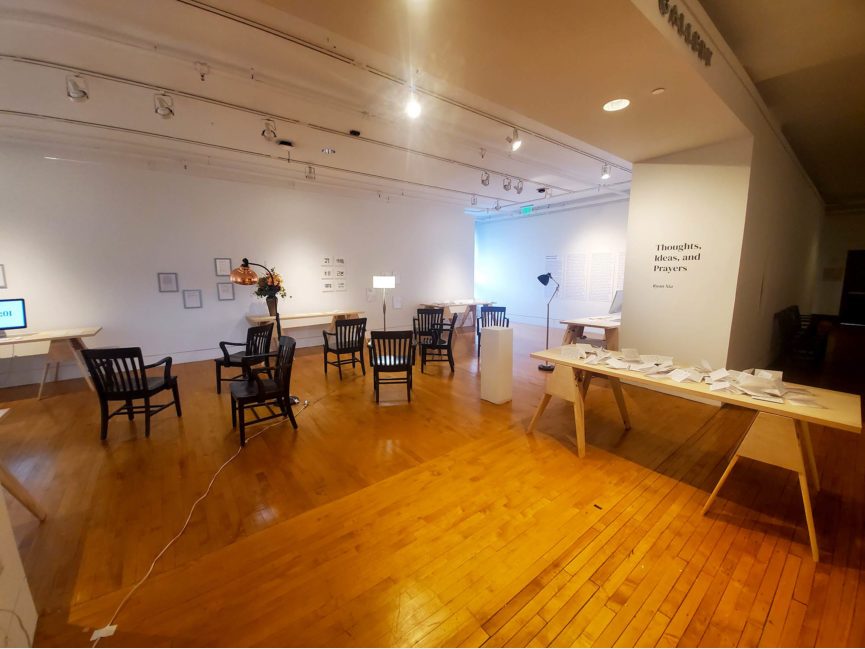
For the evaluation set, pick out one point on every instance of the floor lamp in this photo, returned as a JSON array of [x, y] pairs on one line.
[[545, 279], [384, 282]]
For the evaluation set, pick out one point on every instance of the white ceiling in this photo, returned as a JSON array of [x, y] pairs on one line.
[[322, 68]]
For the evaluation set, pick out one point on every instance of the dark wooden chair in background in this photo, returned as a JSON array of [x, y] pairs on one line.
[[347, 339], [257, 343], [120, 374], [441, 346], [491, 316], [424, 322], [391, 352], [267, 386]]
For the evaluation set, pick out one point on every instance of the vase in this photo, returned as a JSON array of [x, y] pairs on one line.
[[271, 304]]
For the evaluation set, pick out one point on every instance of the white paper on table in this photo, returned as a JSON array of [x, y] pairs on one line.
[[592, 360], [717, 375], [664, 360], [719, 385], [768, 374], [602, 354], [617, 364], [584, 346], [642, 367], [767, 397], [630, 354], [572, 351], [807, 403], [704, 366], [680, 375], [797, 391]]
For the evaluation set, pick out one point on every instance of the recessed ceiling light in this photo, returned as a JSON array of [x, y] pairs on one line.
[[76, 88], [658, 91], [514, 140], [485, 178], [616, 104], [163, 105], [328, 150], [605, 172], [412, 107], [519, 187], [269, 132], [506, 184]]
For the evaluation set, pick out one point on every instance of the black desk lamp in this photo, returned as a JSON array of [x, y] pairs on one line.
[[545, 279], [245, 276]]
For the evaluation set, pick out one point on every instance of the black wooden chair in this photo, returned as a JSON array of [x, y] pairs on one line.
[[257, 343], [347, 339], [441, 346], [424, 323], [491, 316], [266, 387], [119, 374], [391, 352]]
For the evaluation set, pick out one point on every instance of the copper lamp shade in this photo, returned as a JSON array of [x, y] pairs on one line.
[[244, 275]]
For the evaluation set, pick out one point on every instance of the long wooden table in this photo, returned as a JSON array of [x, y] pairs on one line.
[[64, 345], [471, 308], [778, 433], [296, 320], [574, 330]]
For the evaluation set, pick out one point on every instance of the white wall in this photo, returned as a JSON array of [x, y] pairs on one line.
[[841, 233], [82, 243], [510, 254], [693, 198]]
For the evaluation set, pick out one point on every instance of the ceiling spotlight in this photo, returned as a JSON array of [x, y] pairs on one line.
[[269, 132], [658, 91], [514, 140], [76, 88], [616, 104], [605, 172], [474, 200], [412, 106], [310, 173], [498, 207], [328, 150], [506, 183], [163, 105], [485, 178], [519, 187]]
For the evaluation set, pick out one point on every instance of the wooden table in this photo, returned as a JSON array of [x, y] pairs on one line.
[[471, 308], [64, 345], [295, 320], [574, 330], [17, 490], [778, 433]]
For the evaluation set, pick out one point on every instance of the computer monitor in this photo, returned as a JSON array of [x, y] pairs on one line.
[[616, 306], [12, 314]]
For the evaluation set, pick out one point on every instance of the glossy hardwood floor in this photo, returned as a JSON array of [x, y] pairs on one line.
[[438, 522]]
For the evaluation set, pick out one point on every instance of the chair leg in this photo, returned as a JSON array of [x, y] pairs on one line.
[[147, 416], [291, 418], [353, 360], [218, 378], [408, 385], [375, 384], [325, 362], [451, 358], [103, 431], [362, 364], [339, 365], [129, 413], [233, 413], [479, 344], [175, 390]]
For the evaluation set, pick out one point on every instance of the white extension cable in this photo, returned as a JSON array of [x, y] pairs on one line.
[[110, 628]]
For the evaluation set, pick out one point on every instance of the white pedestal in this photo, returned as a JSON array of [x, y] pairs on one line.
[[497, 364]]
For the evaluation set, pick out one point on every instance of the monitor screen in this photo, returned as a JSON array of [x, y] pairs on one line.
[[12, 314], [616, 306]]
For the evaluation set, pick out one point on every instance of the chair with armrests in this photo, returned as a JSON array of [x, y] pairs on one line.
[[391, 352], [120, 374], [424, 322], [257, 343], [441, 346], [267, 386], [491, 316], [347, 339]]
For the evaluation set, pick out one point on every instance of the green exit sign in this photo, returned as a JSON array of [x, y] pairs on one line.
[[527, 209]]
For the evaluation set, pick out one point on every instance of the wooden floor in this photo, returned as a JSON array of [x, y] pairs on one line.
[[438, 522]]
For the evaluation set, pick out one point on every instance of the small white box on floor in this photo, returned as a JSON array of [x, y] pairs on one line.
[[497, 364]]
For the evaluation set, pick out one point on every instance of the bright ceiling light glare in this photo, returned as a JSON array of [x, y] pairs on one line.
[[76, 88], [518, 187], [659, 91], [328, 150], [485, 178], [605, 172], [616, 104], [163, 105], [514, 140], [412, 107], [506, 184], [269, 132]]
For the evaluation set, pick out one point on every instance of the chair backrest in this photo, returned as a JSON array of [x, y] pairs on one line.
[[116, 371], [426, 318], [350, 333], [258, 339], [443, 333], [391, 350], [284, 363], [493, 316]]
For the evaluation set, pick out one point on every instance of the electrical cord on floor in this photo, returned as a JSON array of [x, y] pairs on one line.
[[20, 623], [108, 629]]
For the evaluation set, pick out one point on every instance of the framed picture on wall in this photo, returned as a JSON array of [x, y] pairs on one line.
[[3, 276], [225, 291], [192, 298], [222, 266], [167, 282]]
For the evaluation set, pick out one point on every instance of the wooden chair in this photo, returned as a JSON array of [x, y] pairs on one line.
[[391, 352], [440, 346], [120, 374], [257, 343], [348, 338], [265, 387], [491, 316], [424, 322]]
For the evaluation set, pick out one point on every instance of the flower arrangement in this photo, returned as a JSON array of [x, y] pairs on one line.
[[270, 285]]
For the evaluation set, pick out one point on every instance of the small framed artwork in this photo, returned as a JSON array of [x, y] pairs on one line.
[[3, 276], [327, 285], [168, 282], [327, 260], [326, 273], [222, 266], [192, 298], [338, 261], [340, 286], [225, 291]]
